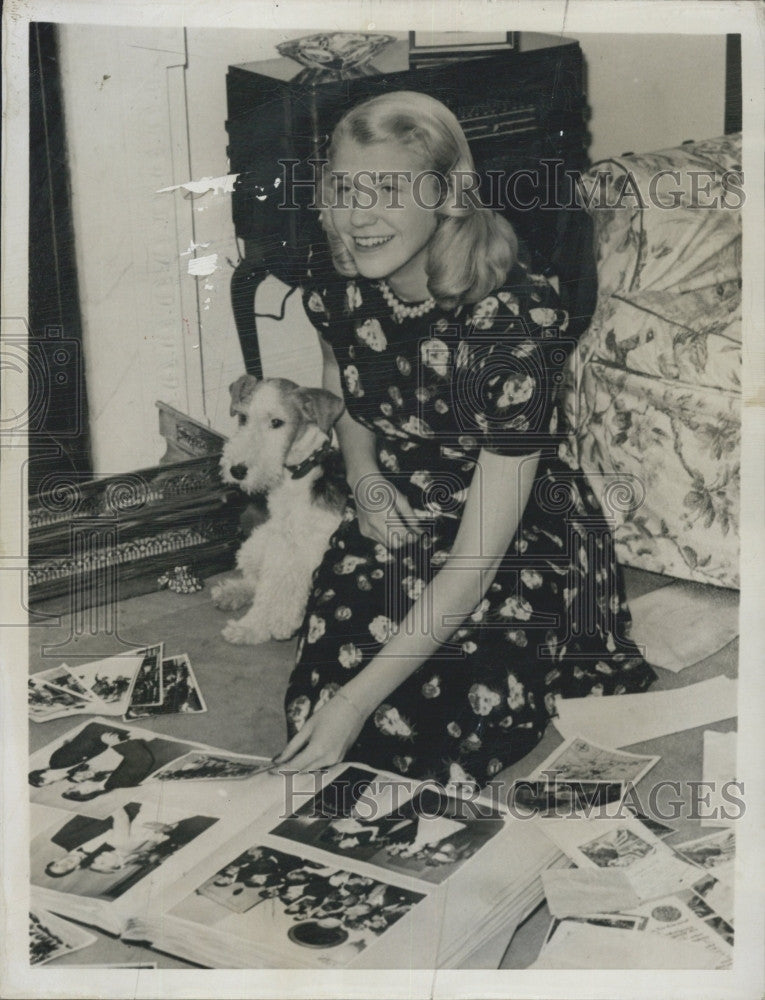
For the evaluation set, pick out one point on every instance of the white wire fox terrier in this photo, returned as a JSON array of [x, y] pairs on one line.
[[282, 447]]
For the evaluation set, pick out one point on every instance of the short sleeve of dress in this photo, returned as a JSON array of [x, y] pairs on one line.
[[510, 364], [316, 304], [330, 305]]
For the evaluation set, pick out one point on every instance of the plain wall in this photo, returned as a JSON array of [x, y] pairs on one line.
[[146, 109], [210, 53], [124, 110], [651, 92]]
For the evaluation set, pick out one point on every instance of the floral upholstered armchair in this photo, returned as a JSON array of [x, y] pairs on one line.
[[653, 396]]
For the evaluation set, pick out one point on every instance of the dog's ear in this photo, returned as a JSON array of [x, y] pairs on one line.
[[319, 407], [241, 392]]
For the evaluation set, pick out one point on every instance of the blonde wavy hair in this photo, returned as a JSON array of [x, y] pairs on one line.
[[473, 247]]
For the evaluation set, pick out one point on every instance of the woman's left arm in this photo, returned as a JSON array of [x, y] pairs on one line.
[[496, 500]]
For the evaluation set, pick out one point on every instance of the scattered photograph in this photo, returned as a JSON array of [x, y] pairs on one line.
[[562, 798], [688, 917], [579, 759], [718, 894], [699, 907], [710, 852], [622, 921], [266, 895], [104, 858], [721, 927], [96, 759], [110, 679], [147, 686], [618, 848], [50, 937], [180, 691], [61, 677], [658, 829], [428, 837], [202, 766], [46, 702]]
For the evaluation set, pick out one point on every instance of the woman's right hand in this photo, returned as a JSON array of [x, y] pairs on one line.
[[384, 513]]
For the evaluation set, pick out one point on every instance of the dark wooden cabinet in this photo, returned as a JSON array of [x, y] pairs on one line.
[[521, 110]]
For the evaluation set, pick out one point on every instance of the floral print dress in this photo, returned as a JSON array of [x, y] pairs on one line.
[[435, 390]]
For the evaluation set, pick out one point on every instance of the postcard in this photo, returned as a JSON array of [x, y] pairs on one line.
[[180, 691], [718, 894], [147, 685], [715, 852], [622, 921], [687, 917], [51, 937], [110, 680], [62, 677], [652, 868], [46, 702], [580, 759]]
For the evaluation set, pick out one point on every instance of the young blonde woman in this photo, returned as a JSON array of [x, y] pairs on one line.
[[472, 579]]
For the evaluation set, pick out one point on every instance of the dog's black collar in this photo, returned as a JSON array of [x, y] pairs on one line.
[[314, 459]]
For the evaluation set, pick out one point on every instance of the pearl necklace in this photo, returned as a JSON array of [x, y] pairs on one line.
[[401, 310]]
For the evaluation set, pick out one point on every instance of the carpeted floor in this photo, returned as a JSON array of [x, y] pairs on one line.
[[244, 688], [244, 685]]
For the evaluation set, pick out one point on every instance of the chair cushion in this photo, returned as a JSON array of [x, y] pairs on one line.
[[653, 387]]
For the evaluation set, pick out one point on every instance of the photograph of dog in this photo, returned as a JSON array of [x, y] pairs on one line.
[[283, 448]]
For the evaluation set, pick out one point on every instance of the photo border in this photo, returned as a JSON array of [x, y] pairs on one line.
[[575, 17]]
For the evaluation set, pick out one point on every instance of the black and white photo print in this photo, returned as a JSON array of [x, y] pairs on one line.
[[381, 410]]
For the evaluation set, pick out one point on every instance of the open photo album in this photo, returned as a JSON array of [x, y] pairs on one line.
[[207, 855]]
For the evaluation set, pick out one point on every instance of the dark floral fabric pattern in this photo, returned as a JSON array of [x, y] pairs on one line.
[[436, 390]]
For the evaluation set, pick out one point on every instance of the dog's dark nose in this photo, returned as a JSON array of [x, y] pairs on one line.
[[238, 472]]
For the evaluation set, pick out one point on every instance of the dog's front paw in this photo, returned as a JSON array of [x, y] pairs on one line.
[[243, 635], [231, 595]]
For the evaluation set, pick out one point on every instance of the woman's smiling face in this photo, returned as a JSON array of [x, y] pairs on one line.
[[376, 214]]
